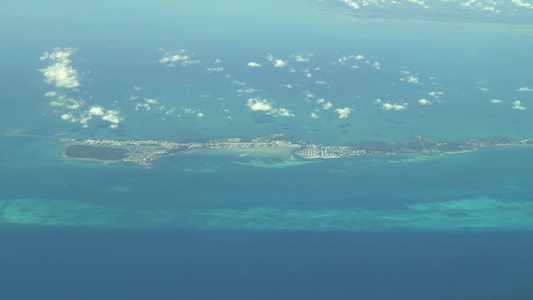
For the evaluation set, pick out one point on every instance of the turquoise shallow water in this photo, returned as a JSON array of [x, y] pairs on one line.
[[483, 190]]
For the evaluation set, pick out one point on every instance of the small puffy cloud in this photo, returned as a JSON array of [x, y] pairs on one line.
[[518, 105], [525, 89], [253, 64], [359, 57], [315, 114], [327, 105], [65, 102], [343, 112], [308, 94], [200, 115], [96, 110], [67, 117], [351, 4], [282, 112], [111, 116], [376, 65], [496, 101], [419, 2], [139, 106], [289, 86], [321, 100], [278, 63], [483, 89], [60, 73], [50, 94], [170, 58], [413, 79], [424, 102], [216, 69], [150, 101], [257, 104], [136, 88], [246, 91], [320, 82], [435, 94], [394, 106], [302, 57], [522, 4], [409, 77]]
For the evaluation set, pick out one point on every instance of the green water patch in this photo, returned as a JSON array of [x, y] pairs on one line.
[[456, 215], [271, 163]]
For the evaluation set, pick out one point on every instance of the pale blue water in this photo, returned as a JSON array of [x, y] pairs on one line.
[[246, 225]]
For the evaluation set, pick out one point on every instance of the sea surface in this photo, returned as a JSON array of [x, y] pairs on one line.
[[251, 223]]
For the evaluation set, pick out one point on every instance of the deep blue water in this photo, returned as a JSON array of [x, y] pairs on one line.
[[80, 263]]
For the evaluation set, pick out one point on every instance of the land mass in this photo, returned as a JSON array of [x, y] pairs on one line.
[[92, 152], [144, 152]]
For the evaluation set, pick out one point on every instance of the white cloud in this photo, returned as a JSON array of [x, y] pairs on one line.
[[419, 2], [413, 79], [200, 115], [65, 102], [394, 106], [351, 4], [150, 101], [146, 106], [522, 4], [525, 89], [315, 114], [280, 63], [60, 73], [327, 105], [111, 116], [343, 112], [242, 92], [170, 58], [137, 88], [496, 101], [518, 105], [289, 86], [435, 94], [424, 102], [254, 65], [257, 104], [359, 57], [67, 117], [377, 66], [302, 57], [50, 94], [320, 82], [283, 112], [216, 69], [96, 111], [321, 100]]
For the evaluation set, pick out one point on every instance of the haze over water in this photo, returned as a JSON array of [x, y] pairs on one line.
[[263, 223]]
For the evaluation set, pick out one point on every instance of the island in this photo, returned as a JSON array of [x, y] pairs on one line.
[[144, 152]]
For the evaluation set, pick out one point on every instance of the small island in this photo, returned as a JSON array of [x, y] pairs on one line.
[[143, 152]]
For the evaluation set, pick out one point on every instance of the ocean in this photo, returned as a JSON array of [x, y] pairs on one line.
[[253, 223]]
